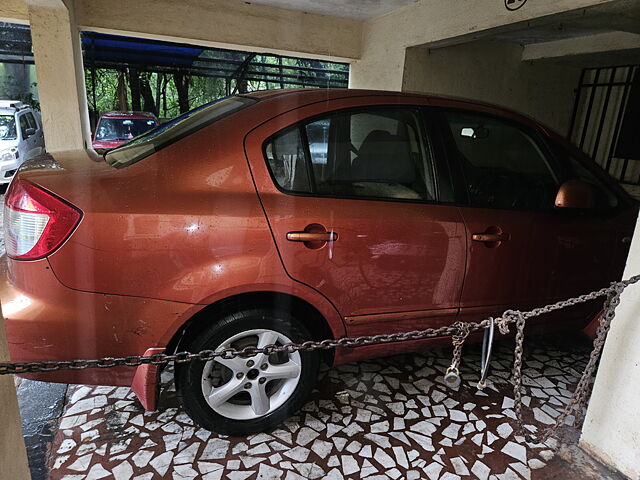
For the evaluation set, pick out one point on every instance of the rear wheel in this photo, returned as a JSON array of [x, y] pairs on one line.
[[247, 394]]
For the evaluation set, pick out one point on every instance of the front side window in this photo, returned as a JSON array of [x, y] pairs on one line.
[[503, 164], [8, 127], [375, 153], [24, 125], [31, 120]]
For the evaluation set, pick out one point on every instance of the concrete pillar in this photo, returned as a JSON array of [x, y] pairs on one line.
[[382, 63], [58, 59], [611, 429], [13, 455]]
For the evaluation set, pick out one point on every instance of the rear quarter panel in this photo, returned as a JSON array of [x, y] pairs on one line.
[[184, 225]]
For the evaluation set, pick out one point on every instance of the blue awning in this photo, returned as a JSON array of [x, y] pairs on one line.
[[101, 48]]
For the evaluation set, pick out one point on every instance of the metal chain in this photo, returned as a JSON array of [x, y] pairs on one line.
[[458, 331], [452, 376], [517, 369], [346, 342], [229, 353], [582, 390]]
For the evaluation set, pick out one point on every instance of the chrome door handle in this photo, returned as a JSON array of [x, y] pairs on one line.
[[490, 237], [312, 236]]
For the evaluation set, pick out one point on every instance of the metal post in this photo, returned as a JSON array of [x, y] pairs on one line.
[[621, 109], [576, 104], [603, 114], [587, 116]]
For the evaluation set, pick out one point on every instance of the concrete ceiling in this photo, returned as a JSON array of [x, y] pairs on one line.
[[614, 16], [358, 10]]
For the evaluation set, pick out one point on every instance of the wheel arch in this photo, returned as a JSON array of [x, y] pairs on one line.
[[318, 325]]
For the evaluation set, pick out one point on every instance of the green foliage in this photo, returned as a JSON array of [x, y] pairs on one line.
[[225, 79]]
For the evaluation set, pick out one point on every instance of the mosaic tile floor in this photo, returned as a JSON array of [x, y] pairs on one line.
[[391, 418]]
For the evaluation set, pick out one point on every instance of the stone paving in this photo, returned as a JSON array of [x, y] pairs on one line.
[[391, 418]]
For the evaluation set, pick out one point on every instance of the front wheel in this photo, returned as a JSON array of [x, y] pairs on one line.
[[247, 394]]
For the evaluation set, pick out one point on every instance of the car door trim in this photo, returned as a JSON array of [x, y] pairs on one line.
[[389, 317]]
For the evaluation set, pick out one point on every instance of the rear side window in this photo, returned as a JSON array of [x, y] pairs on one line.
[[180, 127], [503, 163], [287, 161], [379, 152]]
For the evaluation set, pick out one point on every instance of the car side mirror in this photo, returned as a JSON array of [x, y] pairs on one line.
[[574, 194], [29, 131]]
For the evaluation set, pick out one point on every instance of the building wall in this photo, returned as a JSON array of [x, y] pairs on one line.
[[429, 22], [494, 72], [611, 429], [14, 11]]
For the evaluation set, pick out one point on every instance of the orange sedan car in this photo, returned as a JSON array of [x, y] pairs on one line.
[[293, 215]]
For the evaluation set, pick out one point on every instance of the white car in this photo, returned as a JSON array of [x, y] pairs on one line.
[[21, 137]]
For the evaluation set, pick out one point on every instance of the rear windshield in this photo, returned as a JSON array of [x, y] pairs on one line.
[[158, 138], [110, 128]]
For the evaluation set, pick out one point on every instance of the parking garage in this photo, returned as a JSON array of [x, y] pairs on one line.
[[571, 65]]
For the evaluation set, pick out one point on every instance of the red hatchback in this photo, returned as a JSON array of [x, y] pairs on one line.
[[293, 215], [115, 128]]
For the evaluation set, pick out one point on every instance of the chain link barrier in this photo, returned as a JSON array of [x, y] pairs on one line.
[[458, 331]]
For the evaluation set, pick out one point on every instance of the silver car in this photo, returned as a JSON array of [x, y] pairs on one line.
[[21, 137]]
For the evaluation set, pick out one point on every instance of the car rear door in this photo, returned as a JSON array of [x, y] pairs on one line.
[[522, 251], [350, 193]]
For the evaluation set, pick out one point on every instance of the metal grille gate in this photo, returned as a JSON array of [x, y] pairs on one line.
[[601, 102]]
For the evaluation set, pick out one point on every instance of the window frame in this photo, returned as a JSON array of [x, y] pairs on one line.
[[459, 177], [425, 125], [31, 120]]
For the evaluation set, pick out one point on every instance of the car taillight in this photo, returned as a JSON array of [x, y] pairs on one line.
[[36, 221]]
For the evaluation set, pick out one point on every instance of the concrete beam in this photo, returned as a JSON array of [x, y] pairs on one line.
[[603, 42], [58, 58], [611, 428], [13, 455], [14, 11], [226, 24], [429, 22]]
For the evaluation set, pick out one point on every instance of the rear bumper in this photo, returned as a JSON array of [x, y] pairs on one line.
[[47, 321]]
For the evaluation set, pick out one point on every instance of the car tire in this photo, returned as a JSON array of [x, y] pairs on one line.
[[247, 395]]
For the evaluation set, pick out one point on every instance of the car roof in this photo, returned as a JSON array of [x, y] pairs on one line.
[[311, 95]]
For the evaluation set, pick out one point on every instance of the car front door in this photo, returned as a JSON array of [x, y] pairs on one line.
[[522, 251], [352, 202], [30, 142], [38, 137], [24, 145]]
